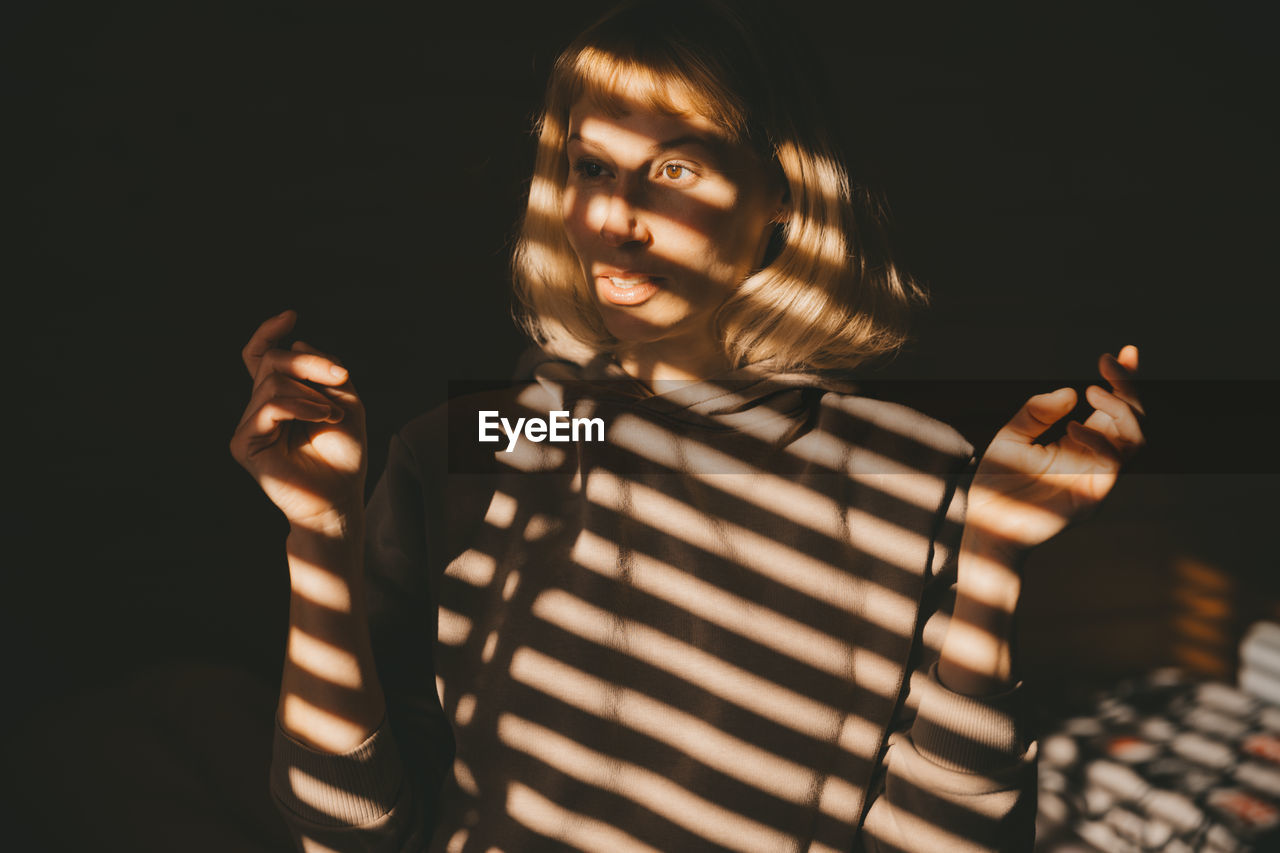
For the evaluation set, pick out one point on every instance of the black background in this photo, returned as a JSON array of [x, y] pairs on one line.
[[1066, 179]]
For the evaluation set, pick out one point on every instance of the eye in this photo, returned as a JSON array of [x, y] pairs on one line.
[[588, 169], [676, 172]]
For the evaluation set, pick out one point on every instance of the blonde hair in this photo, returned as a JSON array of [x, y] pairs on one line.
[[829, 295]]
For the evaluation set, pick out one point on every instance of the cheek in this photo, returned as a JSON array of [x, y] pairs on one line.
[[720, 240], [575, 209], [744, 238], [570, 213], [715, 228]]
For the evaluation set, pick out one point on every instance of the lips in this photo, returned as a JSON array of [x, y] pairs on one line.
[[626, 287]]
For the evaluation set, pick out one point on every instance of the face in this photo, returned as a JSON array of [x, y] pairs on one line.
[[667, 218]]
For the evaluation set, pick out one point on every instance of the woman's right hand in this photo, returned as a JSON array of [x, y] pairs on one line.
[[302, 436]]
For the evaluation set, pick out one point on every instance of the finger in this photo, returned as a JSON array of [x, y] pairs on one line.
[[1120, 376], [280, 409], [265, 337], [300, 365], [345, 393], [1039, 413], [1113, 416], [278, 385], [274, 414], [1096, 442], [264, 426], [1129, 357], [303, 346]]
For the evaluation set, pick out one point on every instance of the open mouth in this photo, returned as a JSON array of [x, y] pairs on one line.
[[627, 289], [627, 283]]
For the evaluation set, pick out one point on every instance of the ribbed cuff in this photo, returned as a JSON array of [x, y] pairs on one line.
[[970, 734], [337, 790]]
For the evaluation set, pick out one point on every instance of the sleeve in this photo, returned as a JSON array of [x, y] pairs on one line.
[[377, 798], [958, 772]]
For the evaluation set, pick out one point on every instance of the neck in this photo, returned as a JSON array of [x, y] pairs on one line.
[[663, 361]]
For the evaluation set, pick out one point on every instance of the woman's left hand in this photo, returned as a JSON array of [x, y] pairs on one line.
[[1024, 493]]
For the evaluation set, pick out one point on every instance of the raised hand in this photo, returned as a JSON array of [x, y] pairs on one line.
[[1024, 493], [302, 436]]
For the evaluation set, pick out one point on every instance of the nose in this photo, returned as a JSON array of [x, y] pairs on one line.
[[623, 221]]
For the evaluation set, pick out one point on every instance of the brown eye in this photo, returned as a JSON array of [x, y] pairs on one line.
[[674, 171], [588, 169]]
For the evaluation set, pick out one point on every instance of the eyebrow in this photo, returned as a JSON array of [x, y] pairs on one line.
[[710, 146]]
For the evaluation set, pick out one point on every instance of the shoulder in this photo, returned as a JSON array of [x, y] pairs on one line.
[[892, 429]]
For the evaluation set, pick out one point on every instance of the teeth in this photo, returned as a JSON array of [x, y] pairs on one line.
[[626, 283]]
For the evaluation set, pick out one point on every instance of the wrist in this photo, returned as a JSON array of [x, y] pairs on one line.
[[981, 539], [989, 571], [326, 561], [336, 524]]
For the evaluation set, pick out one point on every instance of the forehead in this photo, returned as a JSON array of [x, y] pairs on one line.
[[643, 128]]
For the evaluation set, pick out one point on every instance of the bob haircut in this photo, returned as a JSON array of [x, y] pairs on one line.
[[829, 295]]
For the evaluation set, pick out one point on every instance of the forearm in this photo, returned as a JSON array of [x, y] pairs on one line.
[[330, 697], [962, 774], [976, 657]]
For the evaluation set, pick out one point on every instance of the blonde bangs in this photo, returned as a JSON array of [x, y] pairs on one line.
[[618, 83]]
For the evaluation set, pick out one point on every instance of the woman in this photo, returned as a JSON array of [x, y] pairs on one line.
[[739, 609]]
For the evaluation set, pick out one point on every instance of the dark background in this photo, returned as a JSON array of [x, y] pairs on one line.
[[1066, 180]]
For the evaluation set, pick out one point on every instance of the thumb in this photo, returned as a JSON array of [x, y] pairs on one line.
[[1039, 413]]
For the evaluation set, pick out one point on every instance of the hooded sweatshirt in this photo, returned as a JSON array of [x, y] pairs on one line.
[[713, 627]]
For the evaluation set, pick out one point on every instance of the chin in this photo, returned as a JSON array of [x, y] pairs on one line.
[[631, 326]]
